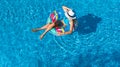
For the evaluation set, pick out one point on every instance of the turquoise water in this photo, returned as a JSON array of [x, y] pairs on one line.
[[95, 43]]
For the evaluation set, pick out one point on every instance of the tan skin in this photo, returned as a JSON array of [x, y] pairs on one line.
[[48, 26]]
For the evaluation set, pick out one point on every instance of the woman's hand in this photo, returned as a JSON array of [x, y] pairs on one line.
[[66, 9]]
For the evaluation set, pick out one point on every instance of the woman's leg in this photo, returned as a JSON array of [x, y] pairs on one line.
[[48, 28], [41, 28]]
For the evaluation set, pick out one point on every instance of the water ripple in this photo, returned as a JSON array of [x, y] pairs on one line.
[[69, 43]]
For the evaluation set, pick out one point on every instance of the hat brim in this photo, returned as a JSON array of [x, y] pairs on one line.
[[70, 17]]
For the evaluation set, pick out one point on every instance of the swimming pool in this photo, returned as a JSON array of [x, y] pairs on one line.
[[94, 44]]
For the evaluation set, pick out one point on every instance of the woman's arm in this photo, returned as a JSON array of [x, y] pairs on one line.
[[68, 32], [71, 28], [64, 25]]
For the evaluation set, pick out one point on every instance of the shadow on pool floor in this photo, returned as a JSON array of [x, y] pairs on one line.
[[87, 24]]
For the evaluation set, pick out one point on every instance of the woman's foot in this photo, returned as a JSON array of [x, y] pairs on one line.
[[41, 37], [34, 30]]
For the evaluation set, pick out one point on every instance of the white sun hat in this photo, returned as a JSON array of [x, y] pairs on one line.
[[70, 15]]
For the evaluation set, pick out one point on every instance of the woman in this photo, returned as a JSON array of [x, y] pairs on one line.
[[72, 19], [69, 15]]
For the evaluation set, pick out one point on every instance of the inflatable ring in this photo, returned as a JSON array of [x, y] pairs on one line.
[[53, 17]]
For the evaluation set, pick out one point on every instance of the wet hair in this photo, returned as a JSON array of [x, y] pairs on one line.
[[58, 23]]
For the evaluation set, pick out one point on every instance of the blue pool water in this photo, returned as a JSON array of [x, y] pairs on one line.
[[95, 43]]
